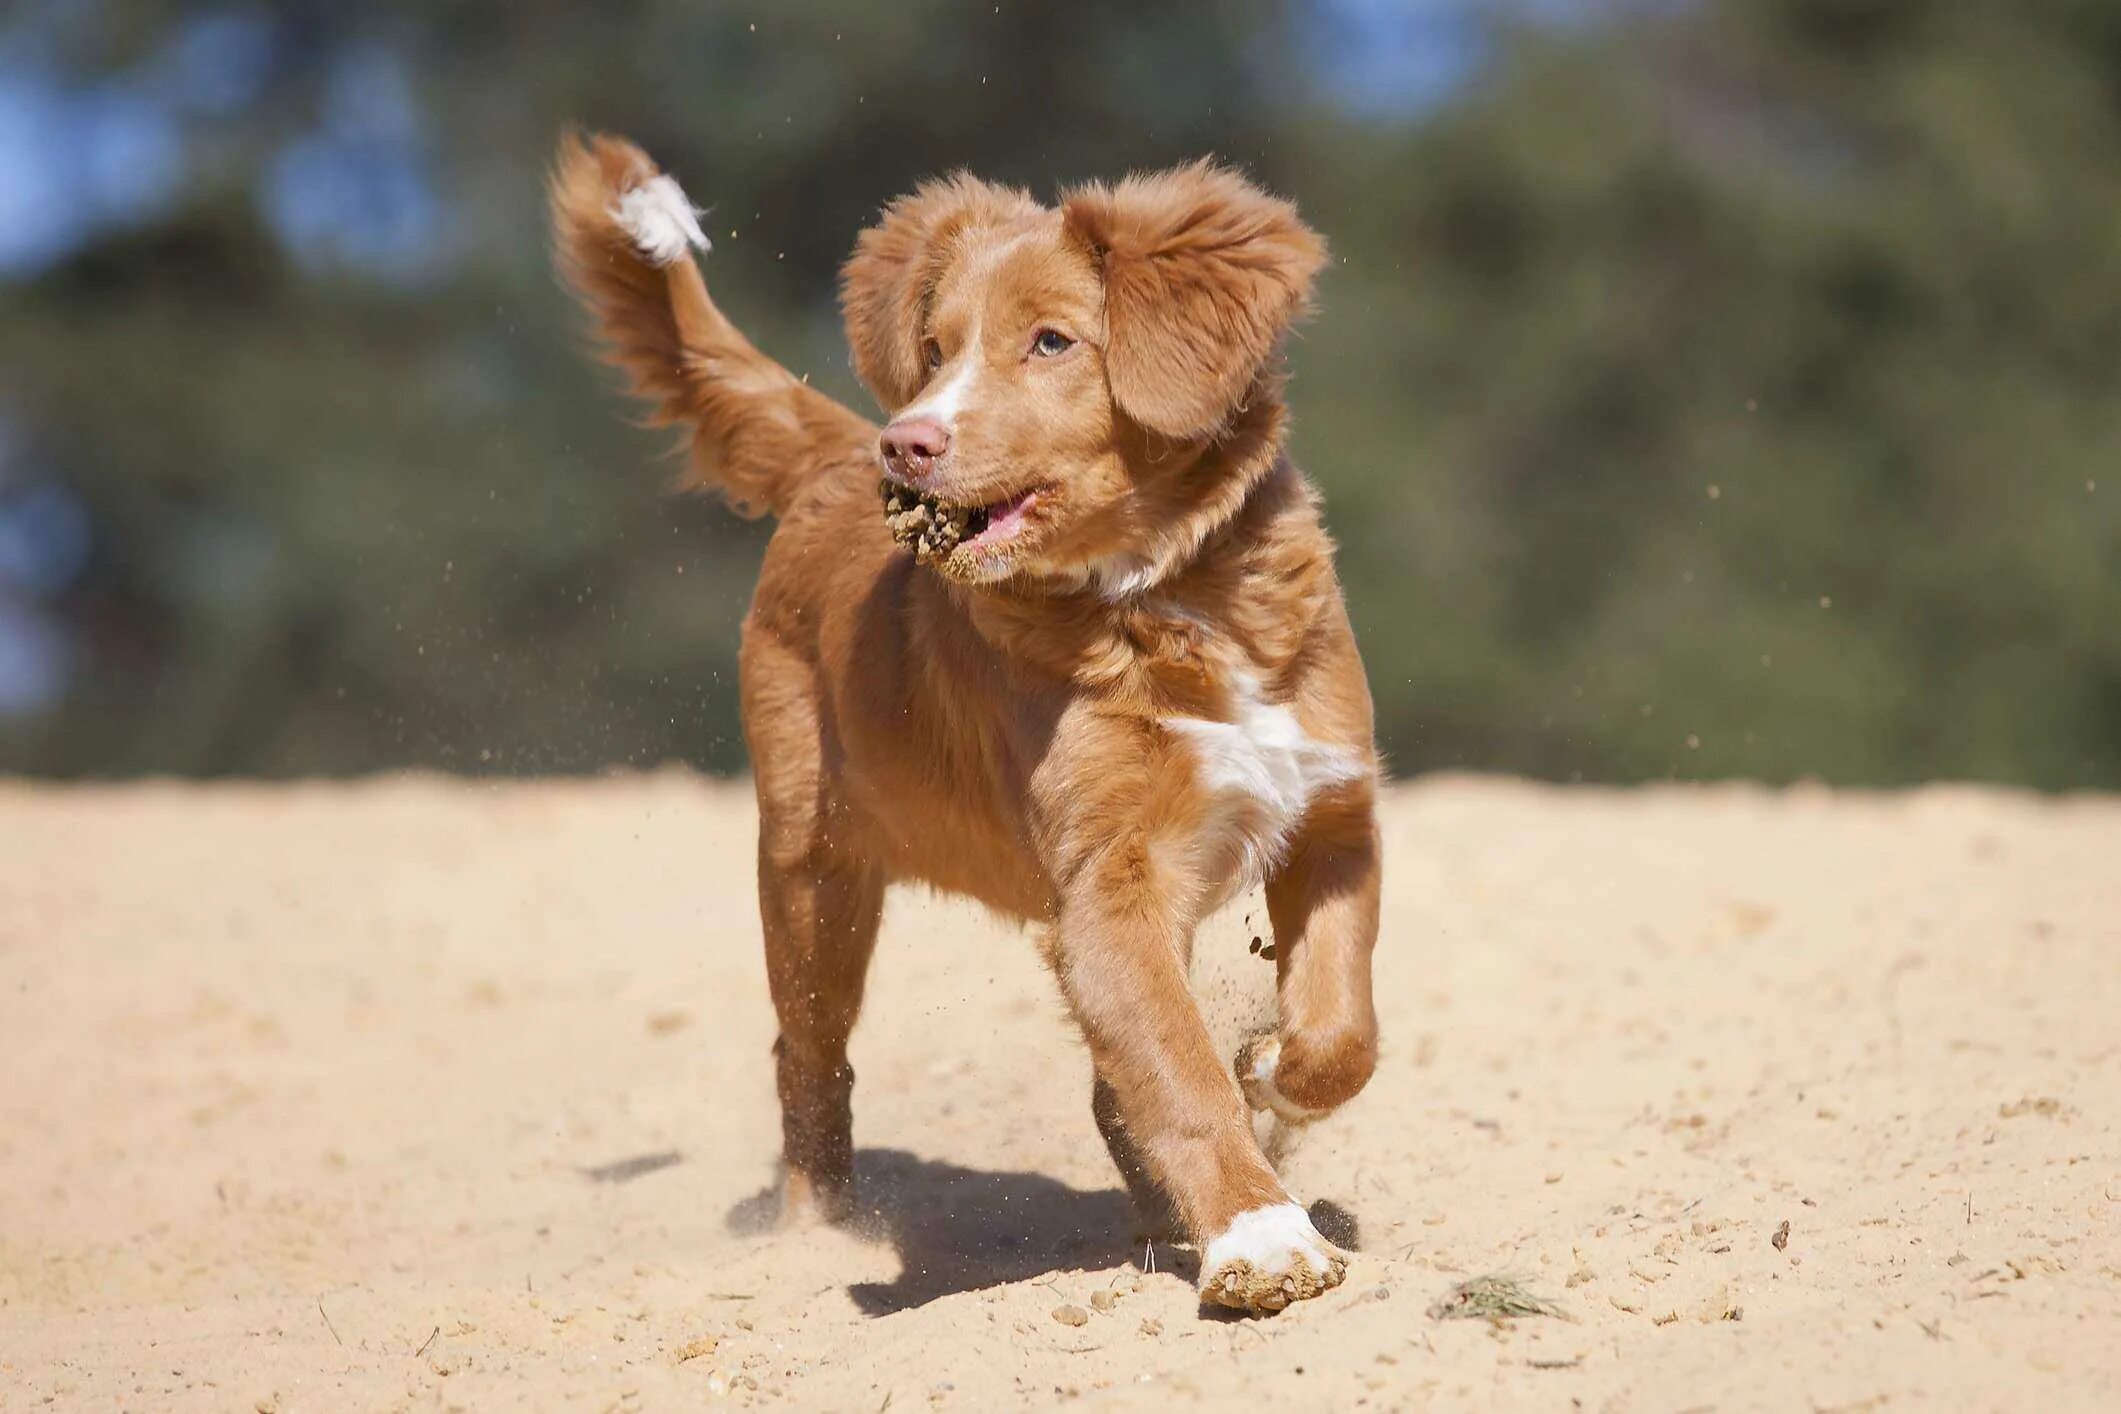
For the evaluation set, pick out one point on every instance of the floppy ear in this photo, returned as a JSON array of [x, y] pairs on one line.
[[887, 283], [1204, 273]]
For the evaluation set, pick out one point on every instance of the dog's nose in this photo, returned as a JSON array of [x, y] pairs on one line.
[[912, 446]]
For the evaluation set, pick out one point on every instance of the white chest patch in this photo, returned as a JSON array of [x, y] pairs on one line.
[[1262, 772], [1124, 576]]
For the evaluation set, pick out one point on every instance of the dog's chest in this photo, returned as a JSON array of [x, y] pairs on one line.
[[1260, 773]]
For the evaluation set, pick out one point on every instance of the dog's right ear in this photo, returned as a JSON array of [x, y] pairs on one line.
[[889, 281]]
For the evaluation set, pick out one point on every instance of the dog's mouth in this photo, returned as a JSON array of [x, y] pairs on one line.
[[936, 529]]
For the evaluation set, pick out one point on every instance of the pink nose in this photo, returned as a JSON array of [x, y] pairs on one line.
[[912, 446]]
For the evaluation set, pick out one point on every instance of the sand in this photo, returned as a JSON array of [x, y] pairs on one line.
[[423, 1094]]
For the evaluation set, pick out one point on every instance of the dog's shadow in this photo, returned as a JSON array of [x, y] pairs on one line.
[[959, 1229]]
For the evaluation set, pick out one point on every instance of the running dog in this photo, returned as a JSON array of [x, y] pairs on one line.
[[1064, 635]]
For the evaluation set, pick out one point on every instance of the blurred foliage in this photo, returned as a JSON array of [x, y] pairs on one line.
[[1702, 390]]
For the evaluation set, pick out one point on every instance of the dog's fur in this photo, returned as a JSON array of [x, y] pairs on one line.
[[1141, 698]]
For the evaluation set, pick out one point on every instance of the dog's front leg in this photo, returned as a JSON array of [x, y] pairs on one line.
[[1323, 901], [1155, 1217], [1120, 953]]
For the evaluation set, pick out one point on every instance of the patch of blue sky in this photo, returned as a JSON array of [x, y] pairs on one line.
[[356, 191], [219, 63], [79, 159], [345, 201], [44, 538], [36, 660], [76, 161], [1399, 60], [1392, 59]]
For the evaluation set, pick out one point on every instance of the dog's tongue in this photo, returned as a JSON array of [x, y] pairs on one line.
[[1005, 518]]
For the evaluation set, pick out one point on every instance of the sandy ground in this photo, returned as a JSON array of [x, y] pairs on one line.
[[418, 1094]]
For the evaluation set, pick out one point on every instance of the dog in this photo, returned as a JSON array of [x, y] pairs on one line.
[[1064, 636]]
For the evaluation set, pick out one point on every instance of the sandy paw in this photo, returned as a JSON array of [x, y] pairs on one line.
[[1255, 1076], [1268, 1258]]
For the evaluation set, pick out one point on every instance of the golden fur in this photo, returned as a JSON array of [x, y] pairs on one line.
[[1024, 726]]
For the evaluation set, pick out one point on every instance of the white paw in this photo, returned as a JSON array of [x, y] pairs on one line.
[[1267, 1258], [1255, 1076], [661, 219]]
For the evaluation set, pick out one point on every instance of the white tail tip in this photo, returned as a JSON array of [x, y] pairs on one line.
[[662, 220]]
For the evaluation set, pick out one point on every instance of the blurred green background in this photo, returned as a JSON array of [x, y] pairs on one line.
[[1700, 389]]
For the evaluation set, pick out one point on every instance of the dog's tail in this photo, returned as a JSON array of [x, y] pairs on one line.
[[623, 236]]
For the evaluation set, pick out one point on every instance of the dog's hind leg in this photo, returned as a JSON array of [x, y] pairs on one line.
[[1324, 905], [820, 923], [820, 901]]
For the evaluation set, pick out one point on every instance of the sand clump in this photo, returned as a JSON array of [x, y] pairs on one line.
[[928, 525]]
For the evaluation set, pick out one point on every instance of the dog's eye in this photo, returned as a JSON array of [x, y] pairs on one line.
[[932, 352], [1051, 342]]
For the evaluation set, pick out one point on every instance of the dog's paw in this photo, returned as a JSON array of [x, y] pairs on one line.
[[816, 1201], [1256, 1060], [1267, 1258], [661, 221]]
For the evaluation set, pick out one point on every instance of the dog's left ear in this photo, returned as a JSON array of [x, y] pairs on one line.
[[887, 284], [1204, 273]]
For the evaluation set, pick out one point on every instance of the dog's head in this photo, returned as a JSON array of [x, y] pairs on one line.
[[1053, 374]]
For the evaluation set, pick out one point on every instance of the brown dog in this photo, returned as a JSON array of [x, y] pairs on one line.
[[1113, 685]]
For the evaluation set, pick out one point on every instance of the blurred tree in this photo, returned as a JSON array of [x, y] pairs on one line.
[[1713, 389], [1743, 367]]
